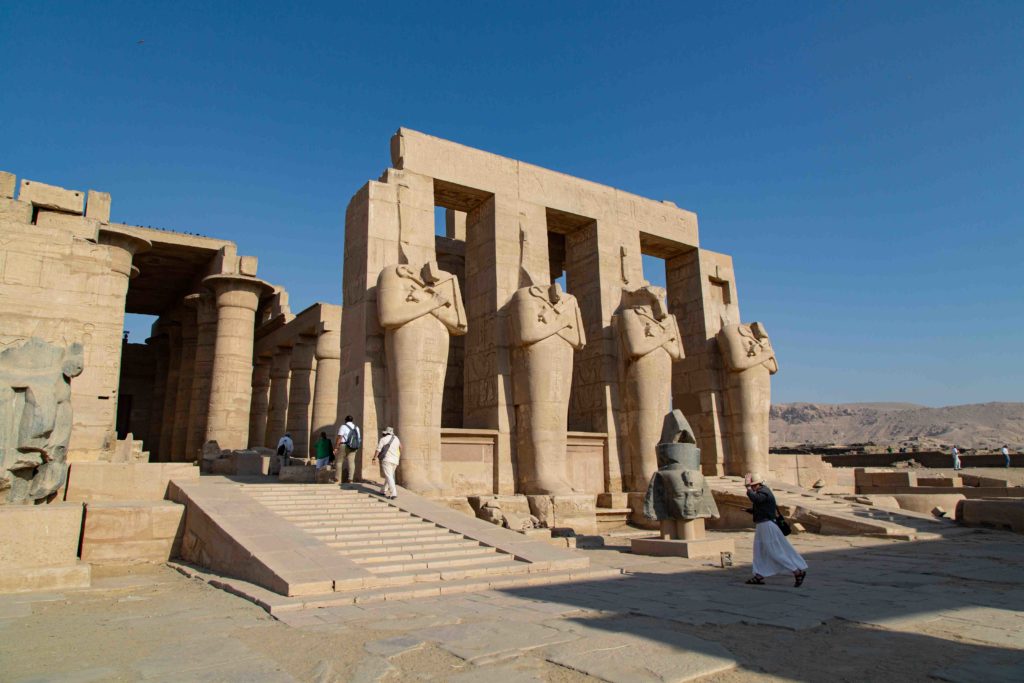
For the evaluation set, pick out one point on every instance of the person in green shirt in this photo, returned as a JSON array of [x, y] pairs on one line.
[[324, 451]]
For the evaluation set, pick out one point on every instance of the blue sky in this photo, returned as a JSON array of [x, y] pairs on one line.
[[863, 162]]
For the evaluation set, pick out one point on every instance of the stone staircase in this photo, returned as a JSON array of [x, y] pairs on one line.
[[393, 545], [295, 546]]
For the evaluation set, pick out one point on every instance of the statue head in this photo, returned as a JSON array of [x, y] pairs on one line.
[[74, 361], [650, 297]]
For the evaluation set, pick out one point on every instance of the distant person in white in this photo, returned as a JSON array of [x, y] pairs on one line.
[[1006, 454], [343, 448], [956, 457], [287, 444], [389, 452]]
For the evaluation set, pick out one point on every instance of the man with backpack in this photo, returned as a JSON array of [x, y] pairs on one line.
[[349, 440]]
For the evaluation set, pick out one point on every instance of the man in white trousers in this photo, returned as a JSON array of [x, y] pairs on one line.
[[389, 452]]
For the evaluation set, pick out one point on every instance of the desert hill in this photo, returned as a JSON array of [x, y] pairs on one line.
[[977, 425]]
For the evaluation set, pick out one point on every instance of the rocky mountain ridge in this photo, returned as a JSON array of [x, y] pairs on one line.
[[976, 425]]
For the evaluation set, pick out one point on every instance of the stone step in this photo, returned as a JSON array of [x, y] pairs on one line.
[[316, 516], [356, 537], [452, 587], [347, 546], [330, 505], [341, 528], [409, 566], [469, 571], [354, 552], [384, 555]]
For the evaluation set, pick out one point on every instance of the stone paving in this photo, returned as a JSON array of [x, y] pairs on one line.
[[871, 609]]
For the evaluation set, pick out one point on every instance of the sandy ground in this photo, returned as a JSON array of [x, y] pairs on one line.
[[871, 609]]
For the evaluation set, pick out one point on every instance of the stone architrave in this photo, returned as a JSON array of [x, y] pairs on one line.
[[35, 418], [547, 329], [418, 307], [650, 343], [231, 387], [750, 362]]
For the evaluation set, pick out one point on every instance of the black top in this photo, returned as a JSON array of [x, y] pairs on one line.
[[764, 509]]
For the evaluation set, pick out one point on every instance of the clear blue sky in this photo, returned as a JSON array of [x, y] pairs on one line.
[[862, 162]]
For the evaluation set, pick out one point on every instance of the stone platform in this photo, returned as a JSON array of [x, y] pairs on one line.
[[668, 547], [39, 548]]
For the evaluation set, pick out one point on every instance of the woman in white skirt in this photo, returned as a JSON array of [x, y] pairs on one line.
[[773, 554]]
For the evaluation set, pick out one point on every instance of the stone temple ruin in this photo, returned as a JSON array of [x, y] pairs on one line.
[[501, 381], [520, 355]]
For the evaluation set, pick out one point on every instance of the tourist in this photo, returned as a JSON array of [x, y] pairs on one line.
[[956, 458], [1006, 454], [772, 552], [348, 441], [389, 452], [324, 451], [285, 447]]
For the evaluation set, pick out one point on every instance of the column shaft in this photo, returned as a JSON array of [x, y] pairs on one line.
[[183, 400], [300, 395], [325, 392], [231, 388], [277, 411], [260, 402], [171, 390], [206, 337]]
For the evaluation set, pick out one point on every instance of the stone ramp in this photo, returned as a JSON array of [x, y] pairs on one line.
[[829, 515], [289, 546]]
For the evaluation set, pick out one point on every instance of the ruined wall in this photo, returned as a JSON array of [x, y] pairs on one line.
[[60, 284]]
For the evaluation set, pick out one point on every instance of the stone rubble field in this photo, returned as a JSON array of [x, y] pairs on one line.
[[872, 609]]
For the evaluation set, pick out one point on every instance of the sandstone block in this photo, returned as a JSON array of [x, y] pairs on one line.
[[45, 196], [1002, 513], [97, 206], [707, 547], [98, 481], [125, 533], [926, 502], [247, 265], [617, 501], [33, 536], [297, 474], [13, 210], [7, 182], [77, 575], [79, 226]]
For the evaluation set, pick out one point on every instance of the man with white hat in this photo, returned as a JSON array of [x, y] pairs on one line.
[[389, 452]]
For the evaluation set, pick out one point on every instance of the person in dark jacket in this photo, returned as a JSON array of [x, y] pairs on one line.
[[773, 553]]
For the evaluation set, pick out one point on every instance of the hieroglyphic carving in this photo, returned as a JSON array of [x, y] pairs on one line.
[[418, 308], [547, 329], [649, 342], [750, 361], [35, 418]]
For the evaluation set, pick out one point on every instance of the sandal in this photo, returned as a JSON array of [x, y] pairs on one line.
[[799, 579], [756, 580]]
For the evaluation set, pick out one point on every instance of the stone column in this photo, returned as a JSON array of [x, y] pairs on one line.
[[277, 411], [328, 371], [186, 372], [206, 337], [158, 342], [98, 419], [260, 402], [231, 388], [300, 393], [171, 390]]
